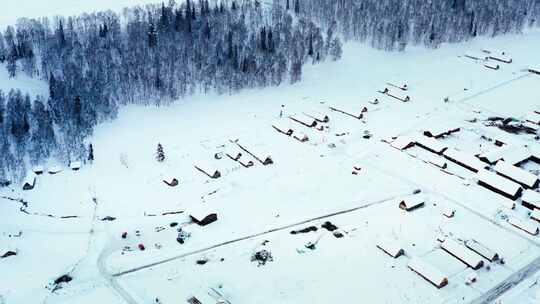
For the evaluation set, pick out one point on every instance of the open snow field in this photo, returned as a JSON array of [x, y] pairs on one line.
[[308, 184]]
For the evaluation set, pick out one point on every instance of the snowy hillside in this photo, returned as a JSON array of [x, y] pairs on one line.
[[347, 174]]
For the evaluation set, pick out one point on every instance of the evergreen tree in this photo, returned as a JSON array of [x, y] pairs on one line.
[[160, 154], [90, 153]]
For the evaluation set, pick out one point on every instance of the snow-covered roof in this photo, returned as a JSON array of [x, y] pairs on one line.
[[390, 246], [465, 159], [283, 126], [319, 116], [500, 57], [527, 226], [516, 174], [208, 168], [482, 250], [440, 130], [30, 179], [516, 155], [411, 202], [448, 211], [431, 144], [200, 211], [252, 149], [462, 253], [531, 125], [476, 55], [437, 161], [304, 119], [398, 94], [38, 169], [428, 272], [491, 65], [498, 182], [535, 215], [233, 151], [533, 117], [354, 111], [533, 69], [493, 155], [75, 165], [55, 169], [402, 142], [531, 197], [301, 136]]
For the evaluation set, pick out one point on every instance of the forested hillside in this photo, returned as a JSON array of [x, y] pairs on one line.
[[95, 63]]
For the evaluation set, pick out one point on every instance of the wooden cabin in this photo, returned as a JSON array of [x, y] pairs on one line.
[[429, 272], [30, 181], [390, 247], [462, 253], [412, 203], [202, 215], [301, 137]]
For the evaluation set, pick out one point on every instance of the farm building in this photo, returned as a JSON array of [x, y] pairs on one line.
[[528, 226], [402, 143], [518, 175], [440, 131], [390, 247], [234, 153], [283, 127], [208, 169], [303, 119], [318, 116], [171, 182], [301, 137], [535, 215], [428, 272], [55, 170], [499, 184], [464, 160], [356, 112], [463, 254], [398, 95], [492, 66], [75, 166], [449, 212], [482, 250], [531, 199], [30, 181], [430, 144], [38, 170], [412, 202], [246, 161], [202, 216], [261, 157]]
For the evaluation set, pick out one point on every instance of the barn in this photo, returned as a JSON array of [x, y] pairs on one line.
[[429, 272], [202, 215], [499, 184], [462, 253], [467, 161], [482, 250], [516, 174], [530, 199], [30, 181], [390, 247], [411, 203], [528, 226]]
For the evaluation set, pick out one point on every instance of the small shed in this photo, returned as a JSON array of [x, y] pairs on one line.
[[262, 157], [465, 160], [246, 162], [500, 58], [429, 272], [234, 153], [499, 184], [402, 143], [398, 95], [492, 66], [449, 212], [202, 215], [527, 226], [494, 155], [75, 165], [516, 155], [171, 182], [477, 56], [530, 199], [402, 86], [516, 174], [440, 131], [318, 116], [38, 170], [390, 247], [305, 120], [431, 144], [55, 170], [283, 128], [412, 202], [29, 181], [462, 253], [208, 169], [301, 137], [482, 250]]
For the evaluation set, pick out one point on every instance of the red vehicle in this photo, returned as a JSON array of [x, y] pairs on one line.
[[141, 247]]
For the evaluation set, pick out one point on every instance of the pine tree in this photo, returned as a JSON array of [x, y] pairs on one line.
[[160, 154], [91, 153]]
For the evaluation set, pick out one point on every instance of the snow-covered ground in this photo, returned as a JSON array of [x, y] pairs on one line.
[[308, 184]]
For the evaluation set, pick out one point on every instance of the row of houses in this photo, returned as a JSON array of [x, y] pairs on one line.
[[29, 182]]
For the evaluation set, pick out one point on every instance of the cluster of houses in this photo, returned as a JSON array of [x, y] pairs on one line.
[[491, 59], [296, 125], [30, 181]]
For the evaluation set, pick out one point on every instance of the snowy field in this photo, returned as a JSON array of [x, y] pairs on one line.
[[308, 184]]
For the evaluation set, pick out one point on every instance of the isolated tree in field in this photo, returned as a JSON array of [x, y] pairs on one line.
[[91, 153], [160, 154]]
